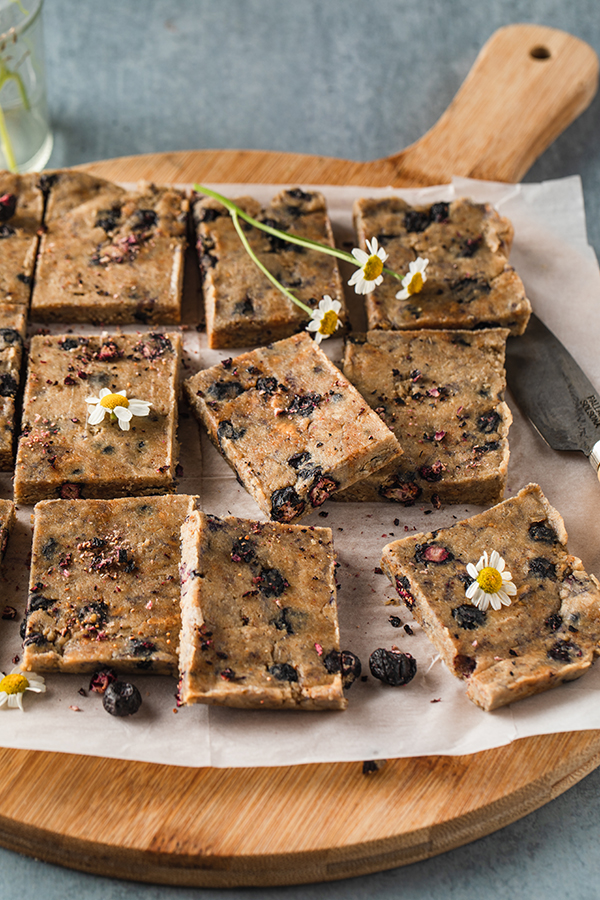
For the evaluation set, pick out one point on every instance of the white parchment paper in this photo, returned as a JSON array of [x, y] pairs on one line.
[[431, 715]]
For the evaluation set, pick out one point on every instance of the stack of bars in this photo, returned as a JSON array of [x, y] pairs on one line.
[[129, 574]]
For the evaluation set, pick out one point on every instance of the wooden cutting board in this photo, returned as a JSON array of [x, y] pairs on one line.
[[289, 825]]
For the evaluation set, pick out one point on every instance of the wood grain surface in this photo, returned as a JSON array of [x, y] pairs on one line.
[[290, 825]]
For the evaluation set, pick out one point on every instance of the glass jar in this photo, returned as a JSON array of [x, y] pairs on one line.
[[25, 136]]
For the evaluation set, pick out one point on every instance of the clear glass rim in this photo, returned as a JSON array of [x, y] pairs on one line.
[[26, 23]]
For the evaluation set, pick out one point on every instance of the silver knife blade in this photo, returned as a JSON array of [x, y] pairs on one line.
[[551, 389]]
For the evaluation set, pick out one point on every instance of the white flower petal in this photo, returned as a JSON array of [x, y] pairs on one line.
[[494, 600], [494, 559], [122, 413], [360, 256], [92, 399], [402, 295], [104, 393], [124, 424], [122, 393], [3, 697], [472, 570], [97, 414], [319, 337], [313, 325], [138, 407], [509, 588], [472, 590]]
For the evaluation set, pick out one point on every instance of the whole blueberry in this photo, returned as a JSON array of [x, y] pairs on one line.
[[121, 699]]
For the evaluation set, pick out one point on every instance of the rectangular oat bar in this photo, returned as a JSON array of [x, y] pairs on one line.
[[110, 256], [61, 454], [441, 393], [259, 617], [470, 283], [550, 631], [13, 325], [242, 307], [290, 425], [21, 210], [104, 585], [7, 521]]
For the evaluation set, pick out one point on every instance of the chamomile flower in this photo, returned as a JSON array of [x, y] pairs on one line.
[[492, 584], [369, 275], [118, 406], [13, 686], [325, 319], [414, 281]]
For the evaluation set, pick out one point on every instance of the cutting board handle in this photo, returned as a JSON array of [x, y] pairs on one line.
[[528, 83]]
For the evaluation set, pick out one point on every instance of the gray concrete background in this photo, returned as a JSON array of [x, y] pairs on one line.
[[342, 78]]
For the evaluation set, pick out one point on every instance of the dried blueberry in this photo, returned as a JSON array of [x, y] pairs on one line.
[[469, 617], [107, 218], [121, 699], [141, 648], [266, 385], [101, 679], [95, 613], [468, 289], [225, 390], [39, 601], [554, 622], [49, 548], [543, 533], [392, 666], [285, 619], [45, 182], [35, 638], [486, 448], [464, 665], [25, 279], [226, 430], [351, 668], [322, 489], [563, 651], [6, 230], [286, 505], [298, 459], [243, 550], [283, 672], [299, 194], [489, 421], [395, 622], [8, 385], [415, 220], [542, 568], [272, 583], [209, 214], [435, 553], [245, 307], [403, 590], [8, 205], [68, 343], [10, 336], [144, 218], [304, 404], [471, 246], [439, 212]]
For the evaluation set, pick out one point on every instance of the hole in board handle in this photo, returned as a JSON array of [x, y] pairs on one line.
[[540, 53]]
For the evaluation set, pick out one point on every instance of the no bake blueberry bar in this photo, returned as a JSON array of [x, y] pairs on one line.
[[470, 283], [242, 307], [290, 425], [21, 209], [259, 617], [550, 632], [13, 323], [60, 454], [104, 585], [441, 393], [110, 256]]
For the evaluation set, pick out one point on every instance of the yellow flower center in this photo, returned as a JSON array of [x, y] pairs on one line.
[[489, 580], [112, 400], [372, 269], [415, 285], [329, 322], [14, 684]]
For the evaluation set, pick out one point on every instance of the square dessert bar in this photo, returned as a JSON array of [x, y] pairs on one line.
[[242, 307], [21, 210], [258, 615], [13, 324], [441, 393], [104, 585], [110, 256], [550, 632], [469, 281], [60, 454], [290, 425]]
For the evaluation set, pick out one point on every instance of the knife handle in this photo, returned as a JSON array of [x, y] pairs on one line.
[[595, 458]]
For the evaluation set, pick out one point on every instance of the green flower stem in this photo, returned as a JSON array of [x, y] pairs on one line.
[[5, 141], [263, 269]]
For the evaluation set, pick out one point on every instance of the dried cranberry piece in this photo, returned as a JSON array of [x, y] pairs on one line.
[[8, 205], [70, 491], [435, 553], [322, 489], [432, 473], [108, 351], [392, 666], [402, 492], [121, 699], [286, 505], [101, 679]]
